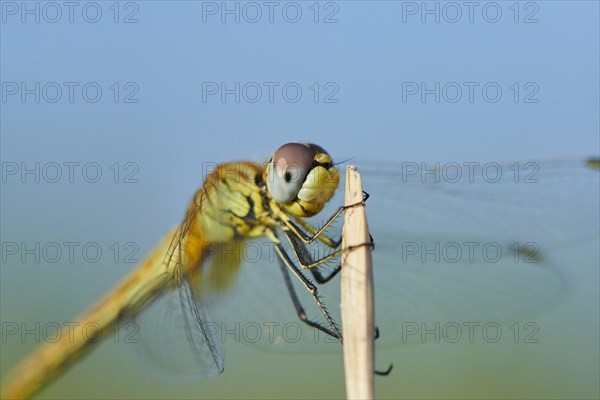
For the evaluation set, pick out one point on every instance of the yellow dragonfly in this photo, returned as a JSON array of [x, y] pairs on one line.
[[238, 201], [174, 288]]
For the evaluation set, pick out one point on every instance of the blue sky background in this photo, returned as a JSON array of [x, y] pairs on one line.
[[367, 56]]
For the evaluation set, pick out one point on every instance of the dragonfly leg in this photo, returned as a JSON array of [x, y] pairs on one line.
[[385, 372], [304, 257], [321, 278], [312, 289], [323, 238], [318, 234], [306, 261], [298, 305]]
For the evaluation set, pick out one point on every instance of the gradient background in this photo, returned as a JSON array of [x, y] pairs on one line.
[[170, 132]]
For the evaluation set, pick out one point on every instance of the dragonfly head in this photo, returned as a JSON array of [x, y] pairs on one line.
[[301, 178]]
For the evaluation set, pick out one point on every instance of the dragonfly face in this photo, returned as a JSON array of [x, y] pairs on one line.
[[301, 178]]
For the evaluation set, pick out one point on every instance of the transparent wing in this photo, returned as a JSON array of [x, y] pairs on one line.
[[467, 253], [178, 335], [551, 203], [478, 249]]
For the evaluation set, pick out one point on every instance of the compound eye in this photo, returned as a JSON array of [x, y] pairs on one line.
[[287, 171]]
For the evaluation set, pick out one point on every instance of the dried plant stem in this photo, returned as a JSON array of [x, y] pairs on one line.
[[357, 295]]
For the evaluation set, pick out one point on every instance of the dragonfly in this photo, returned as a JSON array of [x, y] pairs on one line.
[[430, 230], [238, 201]]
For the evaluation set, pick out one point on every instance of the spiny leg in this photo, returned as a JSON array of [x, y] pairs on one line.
[[386, 372], [304, 258], [297, 304], [312, 289], [323, 238], [305, 263], [317, 233]]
